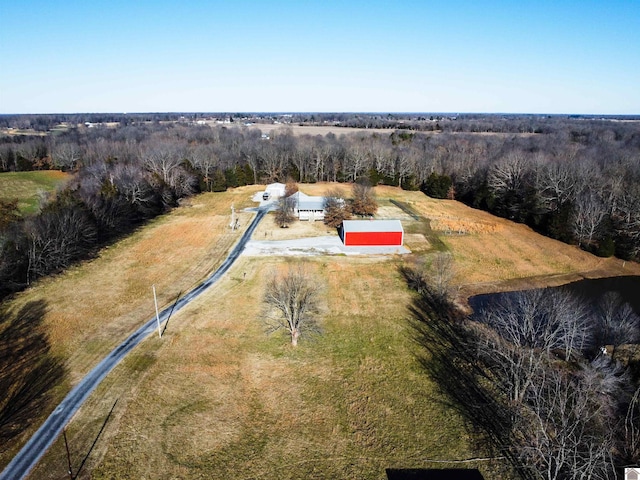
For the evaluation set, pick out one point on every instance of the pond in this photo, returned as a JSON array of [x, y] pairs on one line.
[[591, 290]]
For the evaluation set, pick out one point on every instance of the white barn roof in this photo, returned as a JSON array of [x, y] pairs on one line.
[[372, 226], [276, 189]]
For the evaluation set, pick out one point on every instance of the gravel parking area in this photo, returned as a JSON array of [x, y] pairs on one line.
[[318, 245], [329, 245]]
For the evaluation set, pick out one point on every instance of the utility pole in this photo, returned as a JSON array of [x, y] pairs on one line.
[[155, 299], [66, 444], [233, 218]]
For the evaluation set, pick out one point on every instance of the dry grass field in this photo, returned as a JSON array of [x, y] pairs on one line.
[[323, 130], [269, 230], [314, 130], [92, 307], [492, 253], [28, 186], [218, 398]]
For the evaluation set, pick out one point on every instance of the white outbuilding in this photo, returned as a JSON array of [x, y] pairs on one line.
[[274, 190]]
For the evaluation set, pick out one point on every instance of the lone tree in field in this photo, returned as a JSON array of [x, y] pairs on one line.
[[293, 299], [364, 199], [336, 208], [284, 214]]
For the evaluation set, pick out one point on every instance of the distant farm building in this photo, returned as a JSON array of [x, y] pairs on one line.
[[372, 233], [307, 207], [274, 190]]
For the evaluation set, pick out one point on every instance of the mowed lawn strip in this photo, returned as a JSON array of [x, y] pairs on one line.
[[28, 186], [219, 398]]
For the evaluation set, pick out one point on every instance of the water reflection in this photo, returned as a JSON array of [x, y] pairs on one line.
[[591, 290]]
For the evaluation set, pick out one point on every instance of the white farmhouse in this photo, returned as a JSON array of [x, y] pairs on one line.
[[308, 207]]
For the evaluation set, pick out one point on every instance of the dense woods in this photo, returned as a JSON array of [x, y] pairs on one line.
[[573, 179], [531, 372]]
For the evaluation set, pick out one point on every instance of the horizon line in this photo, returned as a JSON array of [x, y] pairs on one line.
[[312, 112]]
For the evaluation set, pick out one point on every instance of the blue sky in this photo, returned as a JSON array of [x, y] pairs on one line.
[[368, 56]]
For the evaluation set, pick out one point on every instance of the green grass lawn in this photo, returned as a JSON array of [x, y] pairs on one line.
[[28, 186]]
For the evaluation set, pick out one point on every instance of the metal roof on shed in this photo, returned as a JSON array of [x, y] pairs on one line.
[[372, 226]]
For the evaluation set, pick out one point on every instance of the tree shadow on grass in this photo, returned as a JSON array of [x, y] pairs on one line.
[[447, 354], [28, 370]]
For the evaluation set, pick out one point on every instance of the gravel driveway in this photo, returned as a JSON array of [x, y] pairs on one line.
[[328, 245]]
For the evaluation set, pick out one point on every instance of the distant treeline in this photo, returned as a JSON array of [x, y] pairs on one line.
[[577, 179], [429, 122]]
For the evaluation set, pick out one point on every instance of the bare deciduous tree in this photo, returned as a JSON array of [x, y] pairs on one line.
[[549, 320], [557, 185], [293, 301], [433, 275], [631, 446], [355, 159], [364, 199], [58, 237], [564, 431], [627, 216], [508, 173], [589, 213], [617, 322], [65, 155], [290, 187], [166, 161], [513, 367], [284, 215], [273, 160], [204, 159], [336, 209], [442, 273], [163, 158]]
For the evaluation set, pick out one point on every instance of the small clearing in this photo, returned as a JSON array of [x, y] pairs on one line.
[[30, 187]]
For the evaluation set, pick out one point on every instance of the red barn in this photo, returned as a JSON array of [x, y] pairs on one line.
[[372, 233]]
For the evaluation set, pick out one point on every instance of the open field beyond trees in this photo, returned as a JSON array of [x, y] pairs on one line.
[[27, 187], [313, 130], [218, 398]]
